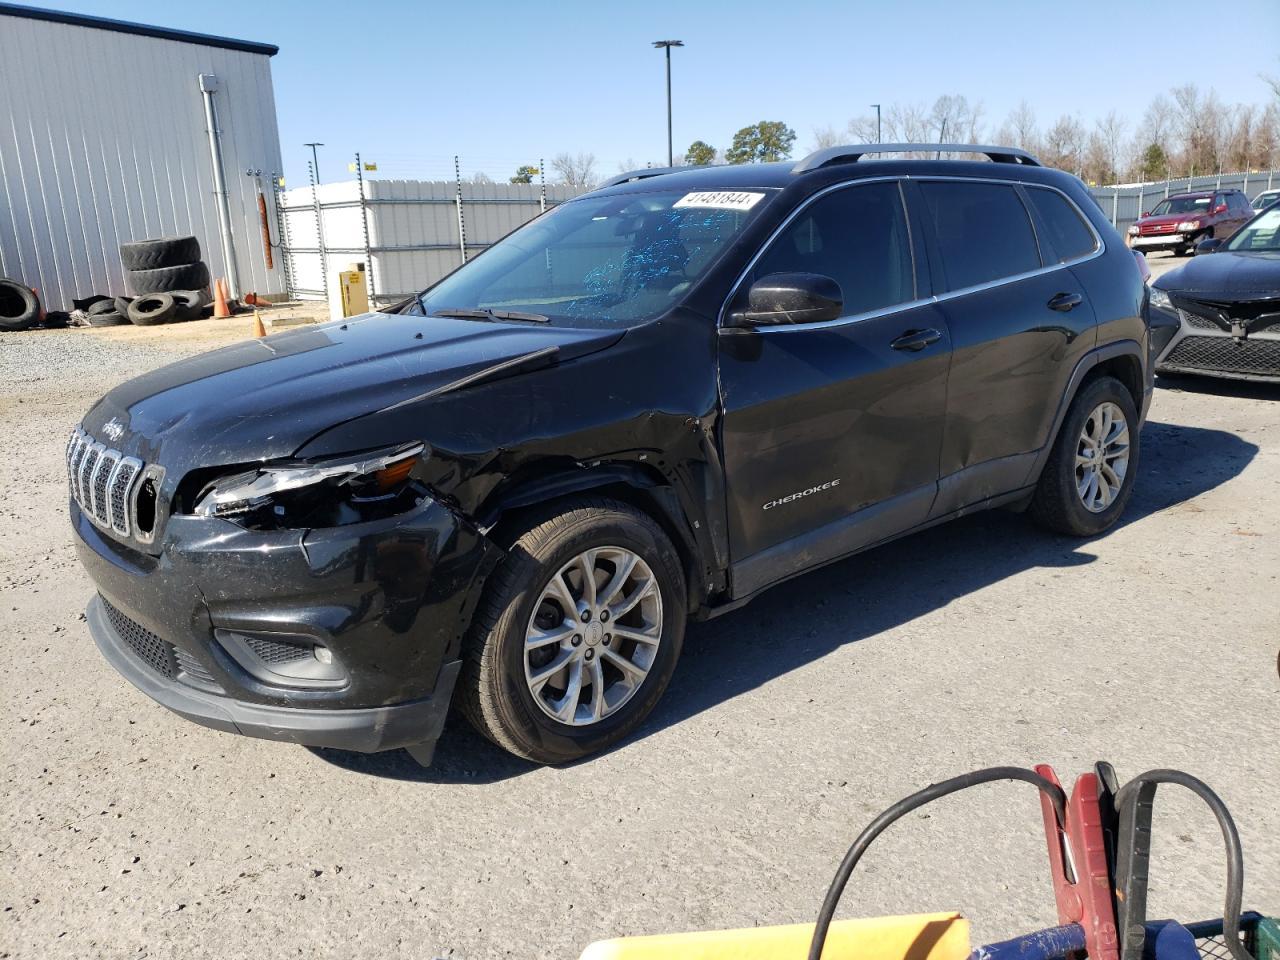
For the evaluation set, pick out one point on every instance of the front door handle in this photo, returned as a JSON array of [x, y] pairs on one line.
[[1064, 302], [915, 340]]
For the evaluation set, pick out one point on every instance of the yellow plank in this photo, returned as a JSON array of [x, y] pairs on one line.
[[935, 936]]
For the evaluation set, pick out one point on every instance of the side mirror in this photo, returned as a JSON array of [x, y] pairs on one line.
[[1220, 208], [786, 298], [1212, 245], [1146, 213]]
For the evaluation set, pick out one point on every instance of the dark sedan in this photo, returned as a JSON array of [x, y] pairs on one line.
[[1220, 315]]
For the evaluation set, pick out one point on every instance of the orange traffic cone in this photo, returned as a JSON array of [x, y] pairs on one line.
[[259, 330], [220, 300]]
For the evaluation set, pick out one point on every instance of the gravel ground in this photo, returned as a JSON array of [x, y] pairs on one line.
[[127, 832]]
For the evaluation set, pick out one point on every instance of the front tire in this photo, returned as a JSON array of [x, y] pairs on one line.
[[1088, 479], [578, 633]]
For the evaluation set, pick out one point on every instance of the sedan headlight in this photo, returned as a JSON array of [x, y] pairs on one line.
[[1189, 225], [361, 478], [1161, 299]]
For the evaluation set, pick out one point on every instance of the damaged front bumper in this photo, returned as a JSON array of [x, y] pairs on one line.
[[347, 637]]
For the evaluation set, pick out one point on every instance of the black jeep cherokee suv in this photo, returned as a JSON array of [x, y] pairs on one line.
[[652, 402]]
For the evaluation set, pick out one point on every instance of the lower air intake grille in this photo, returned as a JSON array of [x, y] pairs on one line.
[[150, 649], [273, 651], [191, 666], [1227, 356], [172, 663]]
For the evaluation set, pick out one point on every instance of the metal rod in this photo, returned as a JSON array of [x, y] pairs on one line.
[[315, 204], [879, 139], [282, 237], [462, 224], [670, 154], [208, 86], [364, 222], [542, 187], [315, 157]]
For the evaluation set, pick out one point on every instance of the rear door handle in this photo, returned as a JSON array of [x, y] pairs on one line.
[[915, 340], [1065, 301]]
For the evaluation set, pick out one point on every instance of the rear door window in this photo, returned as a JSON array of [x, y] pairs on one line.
[[983, 231], [1068, 235], [856, 235]]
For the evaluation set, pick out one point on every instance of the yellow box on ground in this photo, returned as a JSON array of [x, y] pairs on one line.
[[931, 936]]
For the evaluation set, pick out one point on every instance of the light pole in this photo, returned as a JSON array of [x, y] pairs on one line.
[[878, 137], [667, 45], [315, 159]]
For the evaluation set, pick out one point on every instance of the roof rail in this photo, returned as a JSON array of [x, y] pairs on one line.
[[641, 175], [850, 154]]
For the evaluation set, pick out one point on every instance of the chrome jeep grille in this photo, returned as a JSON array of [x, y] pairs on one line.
[[103, 482]]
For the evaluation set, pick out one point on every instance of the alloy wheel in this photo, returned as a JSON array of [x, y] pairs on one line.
[[593, 636], [1102, 457]]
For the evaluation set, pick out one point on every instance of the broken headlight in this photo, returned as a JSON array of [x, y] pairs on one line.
[[321, 493]]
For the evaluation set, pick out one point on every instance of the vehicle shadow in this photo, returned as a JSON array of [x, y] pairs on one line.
[[1218, 387], [867, 594]]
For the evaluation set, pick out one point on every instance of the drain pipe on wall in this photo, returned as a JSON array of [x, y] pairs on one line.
[[209, 85]]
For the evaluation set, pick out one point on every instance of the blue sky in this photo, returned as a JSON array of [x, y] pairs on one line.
[[503, 83]]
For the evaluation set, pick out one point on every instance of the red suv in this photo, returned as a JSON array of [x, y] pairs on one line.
[[1179, 222]]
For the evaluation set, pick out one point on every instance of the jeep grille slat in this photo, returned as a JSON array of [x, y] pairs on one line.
[[103, 482]]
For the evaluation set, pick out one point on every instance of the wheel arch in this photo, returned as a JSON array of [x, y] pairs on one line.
[[1121, 359], [509, 509]]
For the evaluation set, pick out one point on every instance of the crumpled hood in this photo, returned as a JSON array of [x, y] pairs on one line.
[[1227, 275], [263, 399]]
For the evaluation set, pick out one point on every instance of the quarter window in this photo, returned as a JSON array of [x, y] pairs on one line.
[[857, 236], [1067, 233], [982, 229]]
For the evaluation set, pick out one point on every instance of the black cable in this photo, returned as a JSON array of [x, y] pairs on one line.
[[1235, 855], [919, 799]]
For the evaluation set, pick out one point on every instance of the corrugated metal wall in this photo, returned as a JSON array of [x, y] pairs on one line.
[[413, 228], [103, 140]]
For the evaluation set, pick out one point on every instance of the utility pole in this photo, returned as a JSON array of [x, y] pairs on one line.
[[942, 138], [315, 159], [667, 45], [879, 138]]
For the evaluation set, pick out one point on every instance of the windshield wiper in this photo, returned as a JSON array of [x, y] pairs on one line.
[[468, 313]]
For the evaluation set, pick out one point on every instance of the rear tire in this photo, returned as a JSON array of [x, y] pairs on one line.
[[1066, 499], [498, 689]]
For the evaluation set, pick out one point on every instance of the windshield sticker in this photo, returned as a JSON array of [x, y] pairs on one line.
[[720, 200]]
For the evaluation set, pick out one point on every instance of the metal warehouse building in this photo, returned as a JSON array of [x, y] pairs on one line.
[[104, 139]]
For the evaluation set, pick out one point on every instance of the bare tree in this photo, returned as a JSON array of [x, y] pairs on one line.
[[863, 130], [1202, 127], [824, 137], [1110, 132], [1064, 144], [576, 171], [1019, 129]]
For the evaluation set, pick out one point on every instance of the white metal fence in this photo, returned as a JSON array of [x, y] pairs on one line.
[[408, 233], [1124, 204]]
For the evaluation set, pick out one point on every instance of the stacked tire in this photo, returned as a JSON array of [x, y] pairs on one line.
[[166, 278]]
